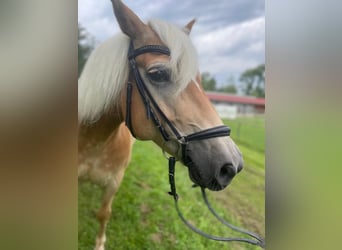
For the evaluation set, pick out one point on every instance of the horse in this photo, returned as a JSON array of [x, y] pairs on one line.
[[144, 83]]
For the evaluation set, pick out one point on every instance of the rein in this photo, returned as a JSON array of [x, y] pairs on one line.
[[152, 109], [258, 241]]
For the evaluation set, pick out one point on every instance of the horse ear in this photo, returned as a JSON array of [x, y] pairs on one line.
[[188, 27], [129, 22]]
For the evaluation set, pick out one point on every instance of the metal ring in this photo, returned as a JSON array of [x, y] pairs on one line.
[[182, 140], [167, 155]]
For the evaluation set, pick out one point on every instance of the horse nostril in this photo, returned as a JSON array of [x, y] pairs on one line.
[[228, 170], [226, 173]]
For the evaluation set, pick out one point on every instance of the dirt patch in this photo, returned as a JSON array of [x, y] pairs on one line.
[[145, 211], [156, 237], [143, 185], [172, 238]]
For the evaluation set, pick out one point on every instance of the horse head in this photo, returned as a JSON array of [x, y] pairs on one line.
[[174, 83]]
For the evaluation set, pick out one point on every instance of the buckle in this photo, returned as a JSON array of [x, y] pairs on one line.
[[176, 154]]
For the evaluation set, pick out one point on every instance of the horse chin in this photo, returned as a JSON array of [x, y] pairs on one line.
[[195, 178]]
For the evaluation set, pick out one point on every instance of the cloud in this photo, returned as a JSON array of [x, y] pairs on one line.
[[97, 18], [232, 49], [229, 35]]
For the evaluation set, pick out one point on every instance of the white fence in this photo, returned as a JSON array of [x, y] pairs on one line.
[[226, 111]]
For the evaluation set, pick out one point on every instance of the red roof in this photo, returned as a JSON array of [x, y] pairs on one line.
[[215, 96]]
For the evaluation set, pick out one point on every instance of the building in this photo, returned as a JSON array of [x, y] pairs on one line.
[[231, 106]]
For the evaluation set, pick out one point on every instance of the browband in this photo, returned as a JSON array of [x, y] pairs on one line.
[[147, 49]]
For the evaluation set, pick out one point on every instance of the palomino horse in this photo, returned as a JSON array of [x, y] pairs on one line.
[[110, 93]]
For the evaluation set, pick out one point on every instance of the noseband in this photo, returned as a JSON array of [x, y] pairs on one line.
[[154, 113]]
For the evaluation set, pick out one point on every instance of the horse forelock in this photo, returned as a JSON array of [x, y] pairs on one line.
[[184, 61], [106, 71]]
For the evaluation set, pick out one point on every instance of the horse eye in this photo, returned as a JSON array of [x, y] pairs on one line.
[[159, 75]]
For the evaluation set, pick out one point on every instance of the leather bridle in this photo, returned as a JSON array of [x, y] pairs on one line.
[[154, 113], [152, 108]]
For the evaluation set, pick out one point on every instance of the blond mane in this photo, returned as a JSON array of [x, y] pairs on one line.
[[106, 71]]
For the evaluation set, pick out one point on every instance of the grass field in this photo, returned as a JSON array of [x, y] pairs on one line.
[[144, 216]]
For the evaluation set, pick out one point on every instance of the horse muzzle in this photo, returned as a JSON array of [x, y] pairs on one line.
[[214, 171], [219, 181]]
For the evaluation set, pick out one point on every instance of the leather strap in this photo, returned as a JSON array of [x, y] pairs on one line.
[[208, 133], [133, 53], [148, 99], [128, 110]]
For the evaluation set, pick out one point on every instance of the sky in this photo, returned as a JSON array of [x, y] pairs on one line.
[[229, 35]]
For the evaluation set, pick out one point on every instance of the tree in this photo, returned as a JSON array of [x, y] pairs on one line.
[[85, 46], [208, 82], [253, 81], [230, 87]]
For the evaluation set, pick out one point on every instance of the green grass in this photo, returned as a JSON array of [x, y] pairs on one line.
[[144, 216], [249, 132]]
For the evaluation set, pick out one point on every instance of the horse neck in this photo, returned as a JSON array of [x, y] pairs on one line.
[[97, 133]]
